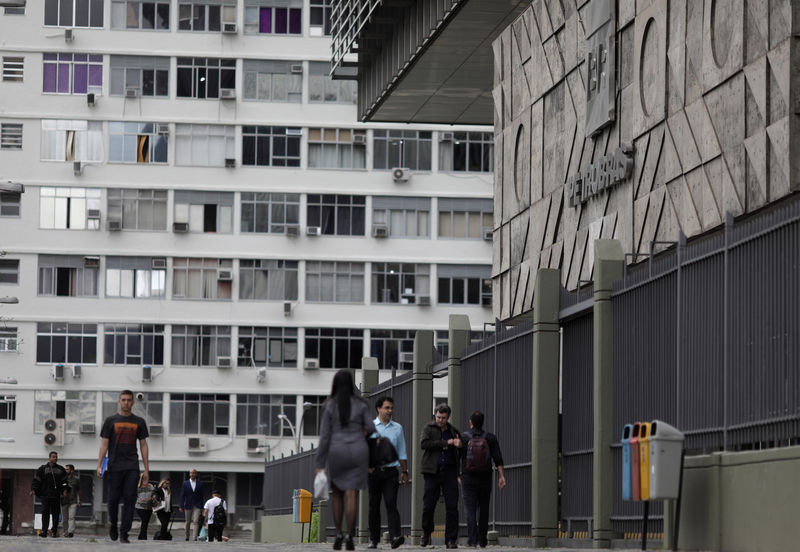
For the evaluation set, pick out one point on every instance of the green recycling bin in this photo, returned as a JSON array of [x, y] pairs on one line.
[[666, 448]]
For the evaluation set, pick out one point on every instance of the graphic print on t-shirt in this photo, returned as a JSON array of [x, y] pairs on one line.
[[125, 433]]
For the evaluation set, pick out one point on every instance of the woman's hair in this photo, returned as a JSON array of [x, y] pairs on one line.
[[161, 483], [341, 391]]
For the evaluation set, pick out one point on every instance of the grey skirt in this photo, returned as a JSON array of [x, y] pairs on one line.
[[348, 464]]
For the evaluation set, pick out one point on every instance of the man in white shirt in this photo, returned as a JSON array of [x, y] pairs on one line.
[[214, 519]]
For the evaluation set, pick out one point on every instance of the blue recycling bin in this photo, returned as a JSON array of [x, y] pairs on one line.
[[627, 484]]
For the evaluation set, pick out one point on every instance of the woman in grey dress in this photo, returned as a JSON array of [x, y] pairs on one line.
[[346, 422]]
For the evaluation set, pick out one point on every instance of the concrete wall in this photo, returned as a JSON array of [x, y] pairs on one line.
[[741, 501], [279, 529]]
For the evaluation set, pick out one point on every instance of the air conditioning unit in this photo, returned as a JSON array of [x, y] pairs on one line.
[[406, 358], [77, 168], [296, 68], [158, 262], [488, 234], [162, 128], [156, 429], [90, 99], [76, 371], [88, 429], [229, 28], [445, 136], [69, 35], [359, 139], [424, 300], [261, 374], [400, 174], [224, 274], [292, 230], [292, 131], [224, 362], [197, 444], [313, 231], [311, 364], [114, 225], [180, 227], [147, 374], [380, 231], [287, 308], [227, 93], [132, 92], [93, 214], [57, 372], [256, 444], [53, 432], [230, 163], [91, 262], [486, 301]]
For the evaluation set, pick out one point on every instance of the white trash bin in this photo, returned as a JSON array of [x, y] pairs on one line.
[[666, 447]]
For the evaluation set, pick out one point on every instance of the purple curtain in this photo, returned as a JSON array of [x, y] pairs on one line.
[[63, 78], [295, 26], [265, 23], [96, 75], [80, 78], [50, 71], [280, 20]]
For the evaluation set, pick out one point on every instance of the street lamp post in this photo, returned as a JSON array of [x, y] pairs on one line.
[[297, 435]]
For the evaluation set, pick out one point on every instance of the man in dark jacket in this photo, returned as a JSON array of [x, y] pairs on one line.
[[49, 484], [440, 444], [191, 502]]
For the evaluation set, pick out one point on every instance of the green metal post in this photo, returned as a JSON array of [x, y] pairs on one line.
[[422, 381], [369, 379], [457, 339]]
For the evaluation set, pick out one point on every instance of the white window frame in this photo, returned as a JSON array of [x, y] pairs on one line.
[[280, 346], [190, 341], [72, 140], [9, 339], [9, 267], [335, 282], [413, 281], [93, 6], [339, 142], [126, 136], [130, 71], [272, 81], [264, 205], [203, 272], [13, 68], [128, 204], [68, 208], [206, 410], [276, 278], [125, 336], [204, 145], [122, 9], [86, 333]]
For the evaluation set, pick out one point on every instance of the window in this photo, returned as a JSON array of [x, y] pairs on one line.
[[8, 406], [273, 81], [263, 279], [393, 348], [337, 215], [199, 414], [400, 283], [205, 211], [205, 16], [10, 136], [204, 145], [13, 69], [403, 217], [9, 339], [79, 407], [72, 74], [467, 151], [335, 347], [201, 278], [136, 277], [62, 342], [151, 407], [323, 89], [271, 146], [312, 416], [9, 271], [67, 276], [465, 285], [134, 14], [204, 77], [402, 148], [134, 344], [337, 148], [334, 282], [464, 218], [321, 17], [258, 414], [138, 209], [9, 204], [69, 208], [137, 142], [264, 17], [73, 13], [269, 213], [67, 140], [200, 345], [147, 75], [267, 346]]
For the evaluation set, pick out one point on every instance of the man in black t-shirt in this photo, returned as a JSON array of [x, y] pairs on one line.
[[119, 435]]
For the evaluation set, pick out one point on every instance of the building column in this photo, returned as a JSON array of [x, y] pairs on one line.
[[369, 379], [544, 407], [422, 381], [609, 262], [457, 340]]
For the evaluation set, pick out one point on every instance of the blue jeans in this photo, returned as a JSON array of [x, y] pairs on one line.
[[477, 492], [122, 485]]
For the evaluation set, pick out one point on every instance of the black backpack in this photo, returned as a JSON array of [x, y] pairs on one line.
[[220, 517], [479, 457]]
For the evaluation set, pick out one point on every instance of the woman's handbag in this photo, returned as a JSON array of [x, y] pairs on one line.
[[321, 487], [381, 452]]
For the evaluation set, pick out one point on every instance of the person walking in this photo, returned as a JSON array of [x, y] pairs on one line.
[[49, 484], [343, 451], [71, 501], [191, 502], [119, 435], [163, 509], [215, 516], [384, 481], [5, 505], [144, 505], [440, 445], [479, 451]]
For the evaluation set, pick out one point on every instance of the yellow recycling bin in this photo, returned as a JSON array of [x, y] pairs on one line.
[[301, 506], [644, 460]]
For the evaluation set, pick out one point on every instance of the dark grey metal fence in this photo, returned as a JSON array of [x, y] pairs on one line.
[[284, 475]]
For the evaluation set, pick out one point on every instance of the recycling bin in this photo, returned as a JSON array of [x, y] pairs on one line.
[[644, 460], [634, 442], [627, 492], [666, 448], [301, 506]]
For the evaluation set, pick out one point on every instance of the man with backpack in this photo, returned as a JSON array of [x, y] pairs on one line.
[[480, 450], [215, 512]]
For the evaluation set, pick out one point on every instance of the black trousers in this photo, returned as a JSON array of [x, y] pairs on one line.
[[446, 481], [145, 516], [163, 517], [215, 532], [383, 483], [51, 507], [477, 492], [122, 486]]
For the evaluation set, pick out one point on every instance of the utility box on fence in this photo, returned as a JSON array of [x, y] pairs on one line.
[[627, 491], [666, 447], [644, 460], [636, 493], [301, 506]]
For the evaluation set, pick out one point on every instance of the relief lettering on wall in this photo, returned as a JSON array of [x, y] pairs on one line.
[[605, 173], [600, 71]]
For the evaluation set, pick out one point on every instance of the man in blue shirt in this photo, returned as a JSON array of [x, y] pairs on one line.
[[383, 480]]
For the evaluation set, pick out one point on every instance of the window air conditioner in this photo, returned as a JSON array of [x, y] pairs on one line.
[[90, 99], [132, 92], [69, 35], [197, 444], [227, 93], [180, 227], [147, 374], [229, 28], [261, 374], [224, 274], [407, 358], [53, 432], [57, 372], [287, 308], [158, 262], [488, 234], [77, 168], [311, 364], [294, 132], [114, 225], [162, 128], [76, 371], [445, 136], [486, 301], [224, 362], [156, 429], [359, 139], [424, 300], [91, 262], [93, 214], [230, 163], [88, 429], [380, 231], [399, 174], [296, 68], [256, 444], [313, 231], [292, 230]]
